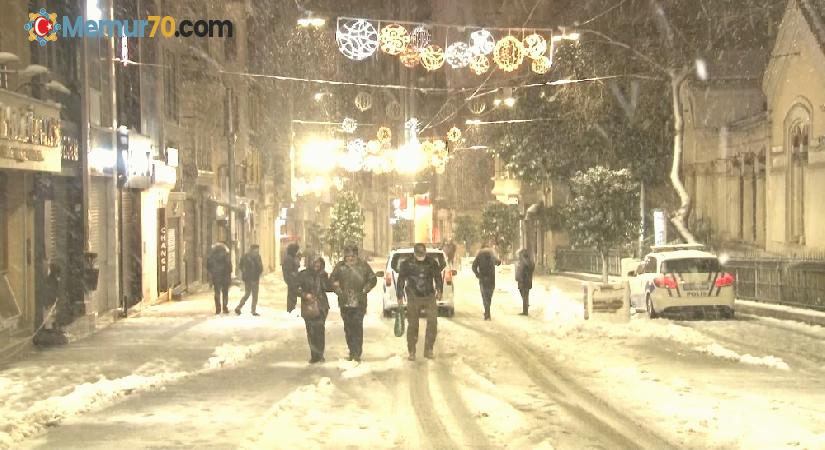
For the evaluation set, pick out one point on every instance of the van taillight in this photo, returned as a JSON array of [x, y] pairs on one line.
[[388, 279], [448, 276], [665, 282], [725, 280]]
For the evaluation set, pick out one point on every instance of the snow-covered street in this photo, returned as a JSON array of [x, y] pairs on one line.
[[176, 376]]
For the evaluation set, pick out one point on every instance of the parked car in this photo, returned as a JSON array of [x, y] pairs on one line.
[[681, 280], [446, 305]]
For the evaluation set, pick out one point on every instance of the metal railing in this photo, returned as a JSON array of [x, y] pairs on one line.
[[587, 261], [793, 282]]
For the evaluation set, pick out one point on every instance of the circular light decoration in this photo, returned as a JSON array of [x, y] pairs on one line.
[[394, 110], [384, 135], [349, 125], [420, 38], [542, 65], [394, 39], [357, 146], [477, 106], [480, 64], [535, 46], [441, 147], [363, 101], [357, 39], [483, 42], [373, 147], [454, 135], [432, 57], [509, 54], [410, 57], [458, 55]]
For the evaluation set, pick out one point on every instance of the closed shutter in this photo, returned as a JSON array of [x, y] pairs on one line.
[[131, 247], [98, 243], [190, 233]]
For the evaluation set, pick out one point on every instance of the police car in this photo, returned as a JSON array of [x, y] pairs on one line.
[[446, 305], [681, 280]]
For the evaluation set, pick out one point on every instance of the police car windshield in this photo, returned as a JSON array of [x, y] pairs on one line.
[[692, 265], [398, 258]]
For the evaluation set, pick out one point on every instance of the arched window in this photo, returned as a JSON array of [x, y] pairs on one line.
[[798, 140]]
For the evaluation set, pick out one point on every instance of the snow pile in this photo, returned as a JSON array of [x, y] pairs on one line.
[[724, 353], [83, 398], [230, 355]]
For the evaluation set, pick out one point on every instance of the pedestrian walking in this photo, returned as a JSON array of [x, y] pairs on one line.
[[251, 268], [313, 285], [219, 266], [352, 279], [449, 252], [420, 279], [290, 267], [484, 268], [524, 278]]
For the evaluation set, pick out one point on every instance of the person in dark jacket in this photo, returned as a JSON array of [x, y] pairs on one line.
[[314, 281], [219, 266], [449, 252], [524, 277], [251, 269], [420, 279], [484, 268], [352, 279], [290, 267]]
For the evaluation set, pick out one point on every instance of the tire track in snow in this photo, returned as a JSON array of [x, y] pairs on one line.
[[474, 436], [434, 430], [612, 425]]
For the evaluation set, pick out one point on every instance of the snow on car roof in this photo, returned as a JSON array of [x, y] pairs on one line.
[[681, 254], [410, 250]]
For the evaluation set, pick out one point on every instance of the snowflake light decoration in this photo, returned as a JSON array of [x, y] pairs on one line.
[[480, 64], [432, 57], [357, 39], [412, 125], [483, 42], [384, 135], [357, 146], [535, 46], [410, 57], [542, 65], [477, 106], [508, 54], [420, 37], [454, 135], [394, 39], [349, 125], [363, 101], [458, 55]]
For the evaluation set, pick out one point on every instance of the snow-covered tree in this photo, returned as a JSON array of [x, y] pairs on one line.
[[346, 225], [603, 210], [500, 225]]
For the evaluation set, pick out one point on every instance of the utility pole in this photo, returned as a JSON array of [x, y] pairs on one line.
[[230, 133], [116, 191]]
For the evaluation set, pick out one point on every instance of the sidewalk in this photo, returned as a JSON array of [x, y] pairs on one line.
[[746, 307], [155, 346]]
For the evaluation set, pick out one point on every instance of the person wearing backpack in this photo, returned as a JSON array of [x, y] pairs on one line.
[[251, 267], [420, 278]]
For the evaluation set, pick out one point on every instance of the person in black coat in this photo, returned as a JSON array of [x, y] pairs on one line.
[[484, 268], [251, 268], [219, 266], [524, 277], [315, 281], [420, 278], [290, 266]]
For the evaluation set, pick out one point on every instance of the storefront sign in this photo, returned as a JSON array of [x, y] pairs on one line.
[[163, 252], [30, 134]]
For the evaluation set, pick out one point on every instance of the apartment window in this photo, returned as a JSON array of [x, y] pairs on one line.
[[252, 111], [4, 77], [230, 48], [796, 181], [170, 90]]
